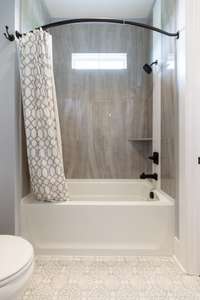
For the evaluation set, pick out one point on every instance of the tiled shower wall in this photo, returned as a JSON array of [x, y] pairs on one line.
[[101, 110], [169, 103]]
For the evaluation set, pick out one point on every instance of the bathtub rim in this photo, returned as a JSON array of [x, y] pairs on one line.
[[164, 199]]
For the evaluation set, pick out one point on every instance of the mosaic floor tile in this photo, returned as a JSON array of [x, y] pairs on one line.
[[110, 278]]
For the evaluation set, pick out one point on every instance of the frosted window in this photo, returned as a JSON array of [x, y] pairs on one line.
[[99, 61]]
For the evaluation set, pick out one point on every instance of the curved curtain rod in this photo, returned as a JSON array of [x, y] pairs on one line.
[[101, 20], [116, 21]]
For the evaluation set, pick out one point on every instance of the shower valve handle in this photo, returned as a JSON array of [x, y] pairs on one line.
[[155, 158]]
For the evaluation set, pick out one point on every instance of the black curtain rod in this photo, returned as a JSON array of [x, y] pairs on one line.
[[11, 37]]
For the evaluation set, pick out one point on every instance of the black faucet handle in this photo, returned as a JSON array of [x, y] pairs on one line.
[[155, 158]]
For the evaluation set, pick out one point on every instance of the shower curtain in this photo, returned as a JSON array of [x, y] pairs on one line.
[[41, 120]]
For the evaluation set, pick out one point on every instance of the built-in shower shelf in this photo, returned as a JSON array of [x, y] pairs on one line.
[[140, 140]]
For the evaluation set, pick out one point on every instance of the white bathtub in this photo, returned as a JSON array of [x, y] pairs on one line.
[[103, 217]]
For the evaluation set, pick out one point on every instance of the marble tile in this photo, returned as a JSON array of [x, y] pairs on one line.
[[110, 278], [169, 102], [100, 110]]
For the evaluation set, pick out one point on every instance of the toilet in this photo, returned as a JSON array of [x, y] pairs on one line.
[[16, 266]]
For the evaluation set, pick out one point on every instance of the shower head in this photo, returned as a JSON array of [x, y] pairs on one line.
[[148, 68]]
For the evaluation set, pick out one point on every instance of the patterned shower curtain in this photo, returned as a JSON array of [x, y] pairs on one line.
[[42, 127]]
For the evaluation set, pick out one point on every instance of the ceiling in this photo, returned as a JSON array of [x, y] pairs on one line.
[[69, 9]]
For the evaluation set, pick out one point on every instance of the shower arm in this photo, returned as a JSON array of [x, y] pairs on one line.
[[93, 20], [154, 63]]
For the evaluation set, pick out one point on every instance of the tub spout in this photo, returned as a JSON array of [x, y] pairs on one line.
[[149, 176]]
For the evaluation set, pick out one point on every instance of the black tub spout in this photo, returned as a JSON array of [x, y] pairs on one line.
[[149, 176]]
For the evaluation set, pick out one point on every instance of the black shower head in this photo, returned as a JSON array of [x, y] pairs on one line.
[[148, 68]]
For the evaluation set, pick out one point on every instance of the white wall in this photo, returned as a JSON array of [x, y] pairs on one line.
[[193, 131], [180, 245], [9, 15], [188, 246], [33, 14]]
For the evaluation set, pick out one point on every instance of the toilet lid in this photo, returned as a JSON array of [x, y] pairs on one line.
[[15, 254]]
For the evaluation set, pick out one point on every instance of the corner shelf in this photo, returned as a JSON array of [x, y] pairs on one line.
[[140, 140]]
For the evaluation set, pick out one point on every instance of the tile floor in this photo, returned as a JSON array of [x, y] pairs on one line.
[[110, 278]]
